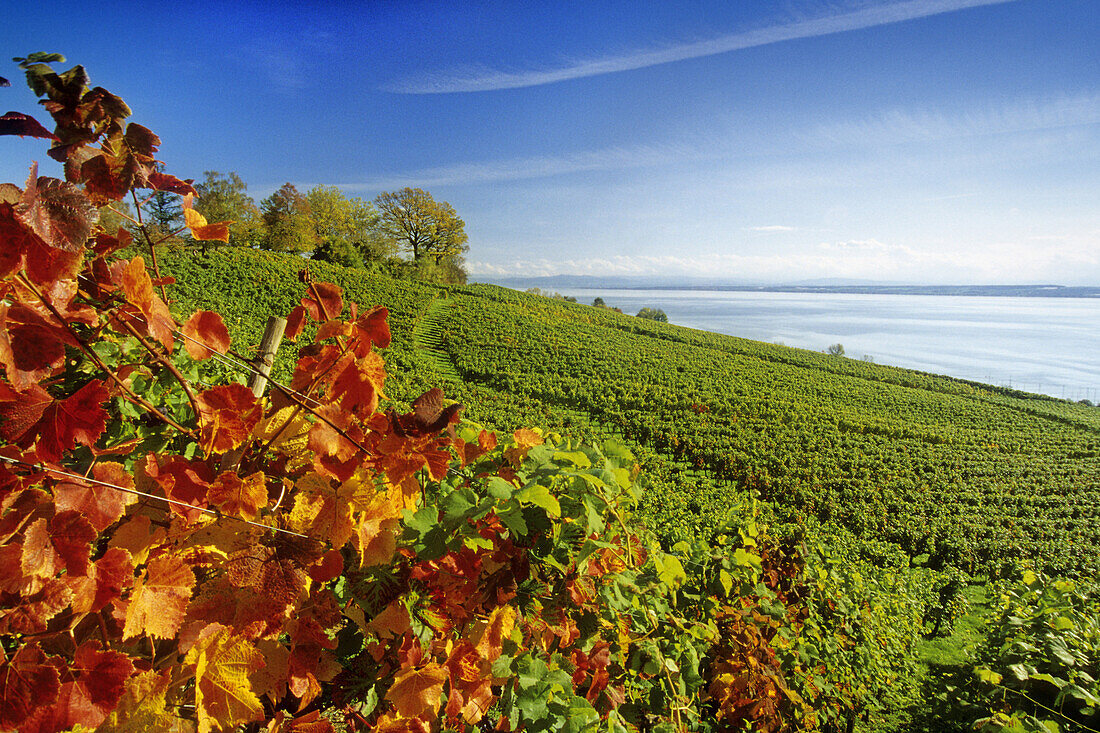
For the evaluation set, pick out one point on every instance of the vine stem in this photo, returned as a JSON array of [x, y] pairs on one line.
[[167, 364], [152, 247], [129, 393]]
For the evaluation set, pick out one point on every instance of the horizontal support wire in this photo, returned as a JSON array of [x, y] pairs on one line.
[[87, 480]]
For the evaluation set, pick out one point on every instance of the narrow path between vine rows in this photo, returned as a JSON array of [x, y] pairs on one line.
[[428, 338]]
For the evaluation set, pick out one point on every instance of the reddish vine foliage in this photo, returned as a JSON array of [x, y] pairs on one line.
[[197, 558]]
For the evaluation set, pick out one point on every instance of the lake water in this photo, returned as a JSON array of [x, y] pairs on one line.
[[1045, 345]]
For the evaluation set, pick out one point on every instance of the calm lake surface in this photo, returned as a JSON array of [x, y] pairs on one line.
[[1045, 345]]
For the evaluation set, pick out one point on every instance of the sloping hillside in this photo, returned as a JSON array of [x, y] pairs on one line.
[[968, 475]]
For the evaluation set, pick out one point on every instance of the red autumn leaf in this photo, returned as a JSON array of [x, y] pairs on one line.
[[164, 182], [101, 505], [294, 323], [17, 238], [324, 301], [17, 123], [106, 243], [239, 497], [227, 415], [20, 412], [76, 419], [106, 579], [31, 347], [138, 288], [57, 212], [102, 674], [159, 600], [141, 140], [355, 392], [72, 535], [329, 567], [182, 480], [205, 333], [11, 574], [27, 682], [429, 416], [109, 177], [86, 701], [374, 325]]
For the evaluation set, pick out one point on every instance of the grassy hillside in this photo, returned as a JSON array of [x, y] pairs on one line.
[[951, 472]]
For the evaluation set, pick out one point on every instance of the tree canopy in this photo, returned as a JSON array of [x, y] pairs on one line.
[[421, 225]]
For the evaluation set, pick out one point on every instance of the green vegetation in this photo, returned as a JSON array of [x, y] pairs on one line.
[[653, 314], [913, 484]]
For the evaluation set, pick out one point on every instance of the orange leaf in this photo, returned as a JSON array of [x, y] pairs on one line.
[[198, 226], [324, 301], [227, 415], [102, 506], [159, 599], [294, 323], [208, 329], [138, 287], [237, 496], [418, 691]]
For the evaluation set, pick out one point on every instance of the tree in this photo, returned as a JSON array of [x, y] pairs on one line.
[[653, 314], [835, 350], [224, 198], [286, 217], [420, 224], [346, 230], [598, 302]]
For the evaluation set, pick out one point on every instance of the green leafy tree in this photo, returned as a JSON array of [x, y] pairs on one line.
[[653, 314], [421, 225], [835, 350], [287, 223], [224, 197], [346, 230]]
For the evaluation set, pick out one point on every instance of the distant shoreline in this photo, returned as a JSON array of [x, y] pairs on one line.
[[1008, 291]]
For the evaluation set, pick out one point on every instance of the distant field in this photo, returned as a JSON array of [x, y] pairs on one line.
[[971, 476]]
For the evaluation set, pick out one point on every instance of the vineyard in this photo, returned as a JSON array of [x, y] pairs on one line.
[[469, 509], [970, 476]]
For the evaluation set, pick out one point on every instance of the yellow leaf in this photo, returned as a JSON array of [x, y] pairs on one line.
[[159, 599], [223, 694], [287, 430], [418, 691], [142, 708]]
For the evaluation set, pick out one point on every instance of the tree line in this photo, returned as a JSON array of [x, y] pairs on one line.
[[402, 233]]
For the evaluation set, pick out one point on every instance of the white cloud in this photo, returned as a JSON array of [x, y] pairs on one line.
[[771, 228], [616, 158], [870, 258], [482, 78], [896, 127]]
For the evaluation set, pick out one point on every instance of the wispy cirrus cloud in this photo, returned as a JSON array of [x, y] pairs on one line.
[[615, 158], [893, 127], [482, 78]]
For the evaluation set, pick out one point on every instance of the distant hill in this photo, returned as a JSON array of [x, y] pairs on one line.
[[823, 285]]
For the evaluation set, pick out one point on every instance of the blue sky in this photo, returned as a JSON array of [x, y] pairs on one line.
[[943, 141]]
